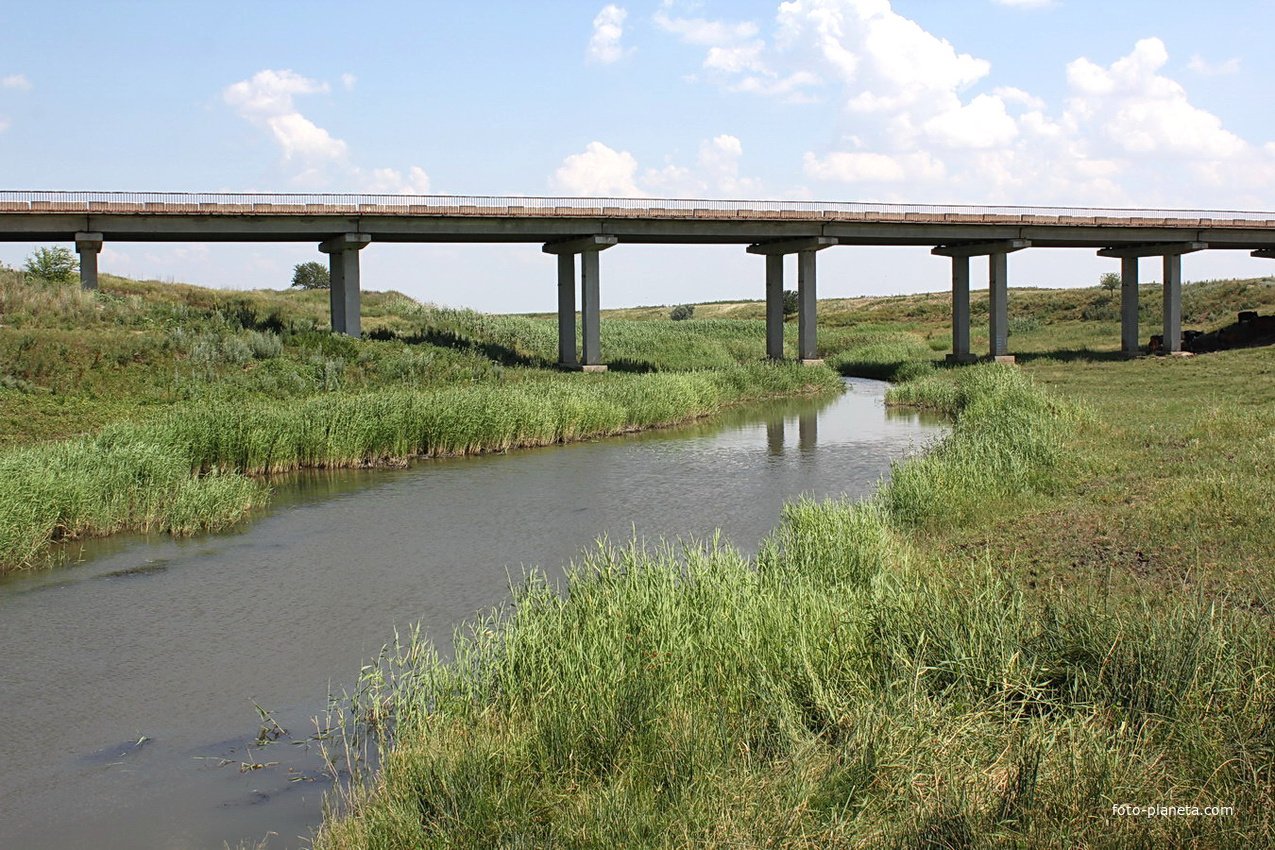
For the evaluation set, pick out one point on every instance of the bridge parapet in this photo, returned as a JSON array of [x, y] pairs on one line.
[[516, 206]]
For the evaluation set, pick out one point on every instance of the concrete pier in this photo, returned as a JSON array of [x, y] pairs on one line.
[[88, 246], [567, 358], [587, 248], [345, 296], [775, 307], [1172, 303], [997, 294], [807, 299], [961, 312], [1129, 306], [1129, 255], [774, 252], [998, 305]]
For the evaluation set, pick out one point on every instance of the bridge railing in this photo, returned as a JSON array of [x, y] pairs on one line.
[[526, 205]]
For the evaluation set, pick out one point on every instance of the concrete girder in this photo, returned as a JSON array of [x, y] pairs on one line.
[[1153, 250], [792, 246], [580, 245], [88, 246], [980, 249], [1264, 253]]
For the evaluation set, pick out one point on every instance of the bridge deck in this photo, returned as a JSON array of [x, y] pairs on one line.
[[38, 215]]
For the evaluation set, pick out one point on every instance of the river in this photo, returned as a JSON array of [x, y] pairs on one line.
[[129, 678]]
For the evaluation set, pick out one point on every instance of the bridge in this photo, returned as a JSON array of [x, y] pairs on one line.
[[578, 230]]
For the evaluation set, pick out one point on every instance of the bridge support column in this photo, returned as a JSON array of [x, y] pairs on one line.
[[961, 312], [997, 254], [775, 306], [590, 337], [345, 296], [998, 307], [567, 312], [807, 347], [1172, 253], [1129, 306], [88, 246], [774, 252], [588, 248], [1172, 303]]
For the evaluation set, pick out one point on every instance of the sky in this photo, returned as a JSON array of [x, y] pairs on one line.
[[1139, 103]]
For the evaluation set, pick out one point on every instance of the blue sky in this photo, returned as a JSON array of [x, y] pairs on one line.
[[978, 101]]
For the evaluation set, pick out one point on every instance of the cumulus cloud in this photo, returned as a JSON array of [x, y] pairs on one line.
[[1141, 111], [18, 82], [266, 99], [867, 167], [917, 115], [705, 32], [348, 81], [602, 171], [598, 170], [608, 30]]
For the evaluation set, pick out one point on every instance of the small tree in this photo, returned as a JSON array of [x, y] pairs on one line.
[[56, 264], [682, 312], [1109, 281], [311, 275], [790, 302]]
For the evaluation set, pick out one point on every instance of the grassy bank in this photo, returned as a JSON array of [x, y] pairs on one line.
[[148, 406], [847, 687], [184, 470]]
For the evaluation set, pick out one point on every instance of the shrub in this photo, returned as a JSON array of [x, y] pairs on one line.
[[682, 312], [790, 302], [56, 264]]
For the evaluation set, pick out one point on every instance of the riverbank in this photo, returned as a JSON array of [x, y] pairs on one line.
[[870, 678], [189, 469], [152, 406]]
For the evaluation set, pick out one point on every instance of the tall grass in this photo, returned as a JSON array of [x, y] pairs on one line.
[[183, 469], [840, 689]]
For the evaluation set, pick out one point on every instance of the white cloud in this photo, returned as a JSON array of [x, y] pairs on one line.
[[1141, 111], [866, 167], [4, 124], [267, 99], [920, 117], [704, 32], [608, 30], [598, 171], [1024, 4], [18, 82], [348, 81], [1201, 66], [981, 123], [602, 171], [392, 181]]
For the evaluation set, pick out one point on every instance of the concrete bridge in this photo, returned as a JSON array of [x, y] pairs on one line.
[[582, 228]]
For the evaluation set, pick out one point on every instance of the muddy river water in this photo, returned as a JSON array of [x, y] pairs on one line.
[[130, 678]]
